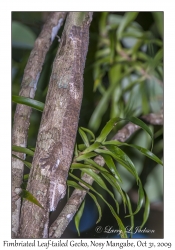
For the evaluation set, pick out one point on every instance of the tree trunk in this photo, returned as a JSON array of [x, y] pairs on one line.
[[57, 133], [23, 112]]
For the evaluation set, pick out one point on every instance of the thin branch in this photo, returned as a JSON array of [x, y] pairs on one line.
[[22, 114], [77, 197]]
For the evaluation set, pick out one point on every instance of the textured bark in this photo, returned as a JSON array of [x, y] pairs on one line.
[[58, 128], [22, 114], [59, 225]]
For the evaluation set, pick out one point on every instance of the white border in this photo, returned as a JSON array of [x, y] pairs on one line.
[[5, 98]]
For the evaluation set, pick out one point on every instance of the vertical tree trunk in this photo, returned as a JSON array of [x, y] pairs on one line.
[[57, 133], [22, 114]]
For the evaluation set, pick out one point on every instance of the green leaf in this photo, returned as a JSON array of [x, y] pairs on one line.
[[81, 147], [26, 177], [96, 166], [112, 181], [81, 166], [28, 102], [120, 224], [146, 210], [107, 129], [28, 196], [101, 183], [144, 151], [110, 164], [91, 148], [89, 132], [85, 156], [130, 212], [121, 157], [141, 198], [78, 217], [22, 36], [126, 20], [98, 206], [22, 150], [141, 124], [84, 137], [28, 164], [74, 185]]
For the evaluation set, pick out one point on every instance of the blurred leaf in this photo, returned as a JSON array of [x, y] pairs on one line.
[[26, 177], [159, 19], [28, 196], [78, 217], [22, 36], [98, 206], [29, 102], [22, 150], [126, 20]]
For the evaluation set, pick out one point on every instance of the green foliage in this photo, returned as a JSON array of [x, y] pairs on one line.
[[128, 67]]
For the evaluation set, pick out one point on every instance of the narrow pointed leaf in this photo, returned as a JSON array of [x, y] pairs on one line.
[[29, 102], [91, 148], [97, 166], [146, 210], [74, 185], [141, 198], [78, 217], [141, 124], [130, 212], [112, 167], [84, 137], [85, 156], [101, 183], [81, 166], [144, 151], [107, 129], [120, 224], [22, 150], [28, 196], [89, 132], [98, 206], [121, 157], [112, 181]]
